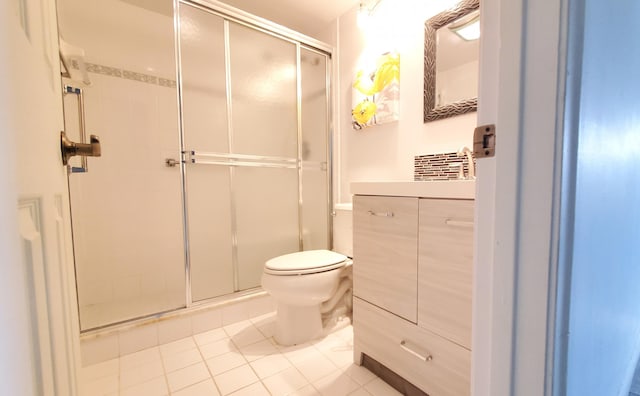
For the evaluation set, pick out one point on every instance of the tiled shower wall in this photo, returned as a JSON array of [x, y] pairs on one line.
[[444, 166]]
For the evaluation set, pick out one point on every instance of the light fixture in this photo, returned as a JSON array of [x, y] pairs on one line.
[[468, 27], [367, 7]]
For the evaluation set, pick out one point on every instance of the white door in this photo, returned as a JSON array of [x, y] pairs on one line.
[[39, 332]]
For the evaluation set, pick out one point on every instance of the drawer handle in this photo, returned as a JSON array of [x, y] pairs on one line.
[[380, 214], [458, 223], [403, 345]]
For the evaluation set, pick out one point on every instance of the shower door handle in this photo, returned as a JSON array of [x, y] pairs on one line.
[[70, 149]]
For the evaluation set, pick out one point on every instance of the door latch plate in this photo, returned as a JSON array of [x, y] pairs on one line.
[[484, 141]]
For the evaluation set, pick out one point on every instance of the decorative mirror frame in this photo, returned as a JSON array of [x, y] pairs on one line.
[[431, 26]]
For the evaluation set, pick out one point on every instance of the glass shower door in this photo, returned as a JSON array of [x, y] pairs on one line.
[[314, 151], [264, 99], [205, 123], [242, 128], [127, 208]]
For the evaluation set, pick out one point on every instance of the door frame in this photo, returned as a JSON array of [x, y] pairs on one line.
[[518, 196]]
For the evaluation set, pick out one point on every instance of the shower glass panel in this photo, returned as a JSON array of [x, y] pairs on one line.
[[127, 209], [204, 98], [263, 93], [267, 213], [314, 150]]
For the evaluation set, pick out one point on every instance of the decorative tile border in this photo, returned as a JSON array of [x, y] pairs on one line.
[[443, 166], [99, 69], [163, 82], [128, 74], [145, 78]]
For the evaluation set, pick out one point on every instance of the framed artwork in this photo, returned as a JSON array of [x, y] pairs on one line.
[[376, 92]]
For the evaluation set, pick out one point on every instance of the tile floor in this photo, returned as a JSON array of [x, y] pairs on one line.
[[241, 359]]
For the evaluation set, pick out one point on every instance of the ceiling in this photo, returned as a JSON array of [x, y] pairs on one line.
[[305, 16]]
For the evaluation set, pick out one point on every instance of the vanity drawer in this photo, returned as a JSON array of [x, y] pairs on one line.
[[445, 268], [405, 349], [385, 245]]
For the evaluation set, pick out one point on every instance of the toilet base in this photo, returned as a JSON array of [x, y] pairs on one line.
[[297, 324]]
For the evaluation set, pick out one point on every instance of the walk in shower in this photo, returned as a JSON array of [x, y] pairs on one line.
[[214, 129]]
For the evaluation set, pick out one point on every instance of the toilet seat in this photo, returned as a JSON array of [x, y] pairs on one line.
[[303, 263]]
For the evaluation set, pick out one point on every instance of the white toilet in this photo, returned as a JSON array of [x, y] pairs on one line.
[[305, 285]]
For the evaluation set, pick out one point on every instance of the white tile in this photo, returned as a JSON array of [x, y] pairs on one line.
[[260, 306], [285, 382], [141, 373], [316, 368], [100, 370], [174, 329], [336, 384], [378, 387], [237, 327], [308, 390], [360, 374], [329, 342], [360, 392], [341, 356], [177, 346], [137, 339], [178, 360], [259, 349], [346, 333], [235, 379], [225, 362], [269, 317], [247, 335], [155, 387], [234, 313], [217, 348], [300, 353], [256, 389], [204, 388], [100, 386], [99, 349], [207, 320], [187, 376], [269, 365], [138, 358], [268, 329], [210, 336]]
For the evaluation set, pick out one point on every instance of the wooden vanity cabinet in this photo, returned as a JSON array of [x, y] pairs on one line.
[[386, 245], [412, 289], [445, 276]]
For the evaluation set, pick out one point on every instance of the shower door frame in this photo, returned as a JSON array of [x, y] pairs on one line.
[[231, 14]]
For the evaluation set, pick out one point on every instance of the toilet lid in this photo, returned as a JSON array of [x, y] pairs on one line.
[[306, 262]]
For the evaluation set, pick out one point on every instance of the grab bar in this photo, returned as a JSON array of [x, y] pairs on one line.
[[231, 159], [84, 149], [243, 163]]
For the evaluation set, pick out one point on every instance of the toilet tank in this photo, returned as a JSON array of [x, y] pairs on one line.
[[343, 229]]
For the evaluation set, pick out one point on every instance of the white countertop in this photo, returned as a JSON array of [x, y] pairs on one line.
[[460, 189]]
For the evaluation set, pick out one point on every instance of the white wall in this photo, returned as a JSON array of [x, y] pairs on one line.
[[386, 152]]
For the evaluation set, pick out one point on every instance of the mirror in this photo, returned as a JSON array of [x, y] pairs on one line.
[[451, 63]]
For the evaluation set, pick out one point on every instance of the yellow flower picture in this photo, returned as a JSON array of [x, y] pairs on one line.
[[376, 92]]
